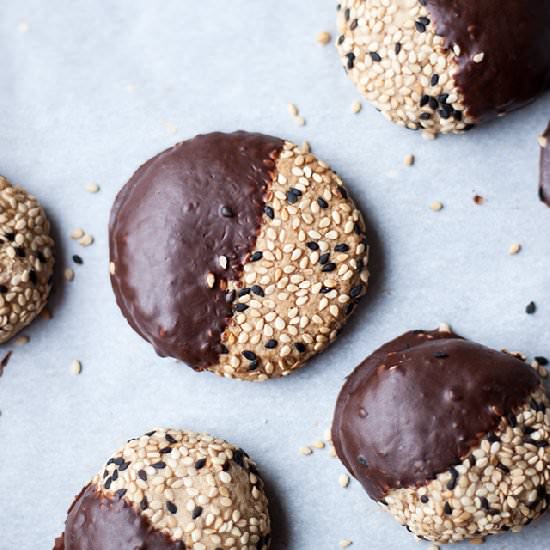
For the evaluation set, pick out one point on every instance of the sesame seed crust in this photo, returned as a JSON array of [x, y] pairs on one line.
[[503, 484], [391, 52], [305, 276], [26, 259], [195, 489]]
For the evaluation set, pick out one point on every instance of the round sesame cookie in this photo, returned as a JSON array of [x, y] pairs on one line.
[[445, 65], [450, 437], [171, 489], [240, 254], [26, 259]]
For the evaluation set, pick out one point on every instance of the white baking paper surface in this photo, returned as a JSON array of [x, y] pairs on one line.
[[91, 89]]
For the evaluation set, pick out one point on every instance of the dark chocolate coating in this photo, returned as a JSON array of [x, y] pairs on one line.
[[544, 185], [419, 404], [171, 222], [514, 35], [98, 522]]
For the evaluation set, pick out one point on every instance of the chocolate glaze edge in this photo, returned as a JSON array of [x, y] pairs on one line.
[[509, 77], [398, 451], [96, 521], [544, 183], [183, 318]]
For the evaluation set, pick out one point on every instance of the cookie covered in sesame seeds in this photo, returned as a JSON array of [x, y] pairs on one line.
[[444, 66], [241, 254], [26, 259], [452, 438], [171, 489]]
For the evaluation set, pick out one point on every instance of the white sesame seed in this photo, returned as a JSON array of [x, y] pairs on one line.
[[323, 38], [112, 268], [409, 160], [478, 58], [293, 110], [436, 206], [76, 367], [444, 327], [69, 274], [22, 340], [344, 543], [356, 107], [305, 451], [514, 249], [92, 188], [343, 481], [210, 280], [86, 240], [543, 141], [318, 444], [77, 233]]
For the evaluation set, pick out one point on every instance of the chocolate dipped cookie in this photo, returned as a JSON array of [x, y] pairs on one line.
[[452, 438], [171, 490], [241, 254], [445, 65]]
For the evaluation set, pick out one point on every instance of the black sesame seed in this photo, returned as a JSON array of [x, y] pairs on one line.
[[433, 103], [503, 468], [423, 2], [328, 267], [20, 251], [357, 228], [375, 56], [324, 258], [243, 292], [451, 484], [512, 420], [346, 14], [492, 438], [447, 509], [542, 361], [343, 192], [341, 39], [458, 115], [41, 257], [531, 308], [142, 474], [351, 60], [349, 308], [424, 499], [528, 430], [269, 212], [123, 467], [435, 80], [301, 348], [312, 245], [105, 473], [425, 116], [253, 365], [420, 27], [271, 344], [397, 48], [444, 113], [197, 511], [148, 434], [322, 202], [442, 98], [325, 290], [32, 277], [356, 291], [291, 197], [223, 349], [160, 465], [165, 450], [342, 247], [250, 355], [295, 191], [77, 259], [121, 492], [226, 212], [240, 307], [424, 20], [144, 503], [107, 483], [10, 236], [362, 460], [258, 255], [353, 25], [171, 507], [484, 503], [200, 463], [441, 355], [424, 100], [238, 457], [114, 477], [258, 290]]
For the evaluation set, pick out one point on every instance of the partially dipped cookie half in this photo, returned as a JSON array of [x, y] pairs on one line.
[[171, 490], [241, 254], [452, 438], [445, 65]]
